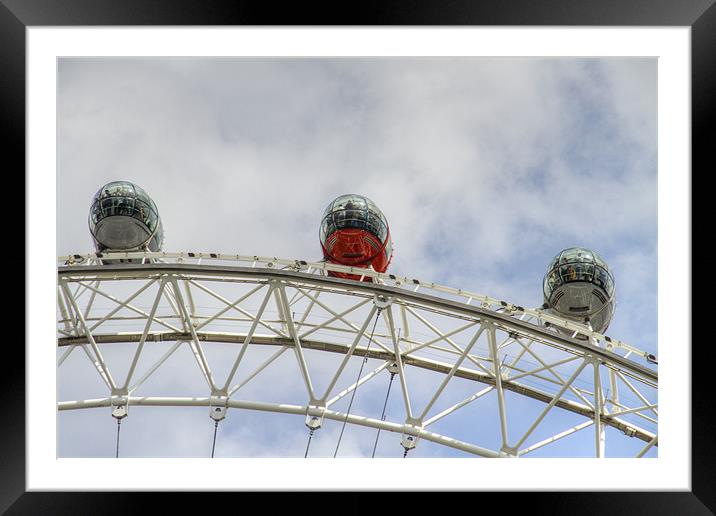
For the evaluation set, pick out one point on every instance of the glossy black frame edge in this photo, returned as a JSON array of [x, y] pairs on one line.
[[700, 15]]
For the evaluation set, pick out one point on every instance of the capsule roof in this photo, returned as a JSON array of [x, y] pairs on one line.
[[353, 201], [124, 189], [578, 255]]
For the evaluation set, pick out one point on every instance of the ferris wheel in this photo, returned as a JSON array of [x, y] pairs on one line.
[[341, 349]]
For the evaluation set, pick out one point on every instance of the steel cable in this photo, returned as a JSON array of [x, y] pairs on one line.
[[119, 422], [382, 416], [377, 315], [213, 444], [310, 436]]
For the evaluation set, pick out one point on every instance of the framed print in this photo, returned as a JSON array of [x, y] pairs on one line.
[[447, 133]]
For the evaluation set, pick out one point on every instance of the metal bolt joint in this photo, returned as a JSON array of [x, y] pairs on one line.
[[218, 407], [314, 414], [508, 451], [382, 302]]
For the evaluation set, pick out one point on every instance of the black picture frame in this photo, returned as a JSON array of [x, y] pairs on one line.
[[700, 15]]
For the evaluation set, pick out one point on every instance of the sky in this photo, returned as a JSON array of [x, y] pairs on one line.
[[485, 168]]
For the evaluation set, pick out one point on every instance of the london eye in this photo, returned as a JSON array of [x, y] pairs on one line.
[[342, 346]]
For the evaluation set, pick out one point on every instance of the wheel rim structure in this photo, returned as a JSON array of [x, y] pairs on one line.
[[458, 356]]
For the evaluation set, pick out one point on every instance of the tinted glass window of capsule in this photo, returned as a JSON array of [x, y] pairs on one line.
[[578, 265], [353, 211], [124, 199]]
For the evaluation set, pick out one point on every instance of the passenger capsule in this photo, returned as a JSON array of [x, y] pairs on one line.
[[579, 286], [354, 232], [123, 217]]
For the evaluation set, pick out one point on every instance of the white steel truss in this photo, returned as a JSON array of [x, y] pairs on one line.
[[425, 331]]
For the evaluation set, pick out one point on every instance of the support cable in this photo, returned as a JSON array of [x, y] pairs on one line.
[[119, 422], [310, 436], [365, 360], [213, 444], [382, 416]]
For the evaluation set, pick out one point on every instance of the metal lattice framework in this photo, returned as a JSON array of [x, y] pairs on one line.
[[292, 306]]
